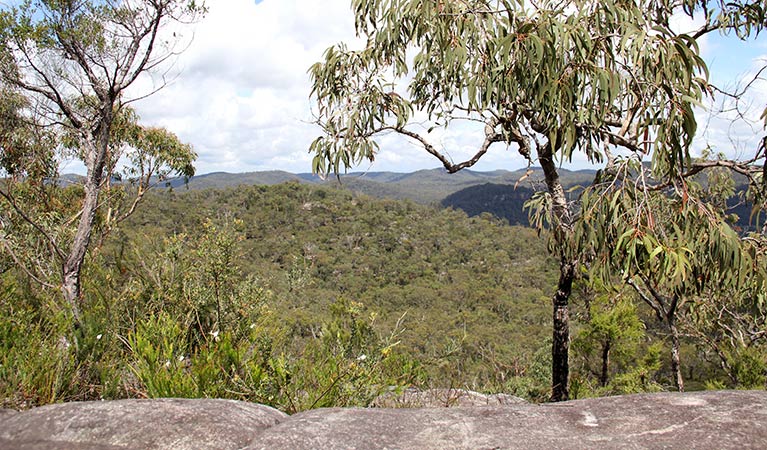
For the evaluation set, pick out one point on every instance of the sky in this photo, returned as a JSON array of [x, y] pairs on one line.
[[240, 94]]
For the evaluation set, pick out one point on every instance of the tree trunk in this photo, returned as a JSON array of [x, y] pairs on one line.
[[560, 346], [95, 149], [562, 224], [676, 365], [74, 262], [605, 363]]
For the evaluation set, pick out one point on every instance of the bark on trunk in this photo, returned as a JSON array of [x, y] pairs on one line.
[[96, 150], [560, 346], [676, 364], [603, 379], [562, 223], [73, 265]]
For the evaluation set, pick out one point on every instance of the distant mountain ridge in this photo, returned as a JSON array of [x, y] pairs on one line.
[[428, 186], [499, 192]]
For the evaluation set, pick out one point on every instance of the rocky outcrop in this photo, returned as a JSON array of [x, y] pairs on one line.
[[443, 398], [162, 423], [703, 420], [709, 420]]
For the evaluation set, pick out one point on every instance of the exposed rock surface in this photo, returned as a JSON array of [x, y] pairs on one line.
[[39, 444], [162, 423], [701, 420], [707, 420], [443, 398]]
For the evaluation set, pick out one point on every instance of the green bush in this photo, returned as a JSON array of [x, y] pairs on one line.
[[37, 358]]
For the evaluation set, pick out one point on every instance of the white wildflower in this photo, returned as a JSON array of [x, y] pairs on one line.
[[362, 357], [64, 342]]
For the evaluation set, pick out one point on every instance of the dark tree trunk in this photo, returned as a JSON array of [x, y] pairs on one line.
[[604, 378], [562, 227], [560, 346]]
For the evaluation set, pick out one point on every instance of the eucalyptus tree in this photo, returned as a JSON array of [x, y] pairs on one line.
[[675, 249], [730, 329], [554, 79], [73, 61]]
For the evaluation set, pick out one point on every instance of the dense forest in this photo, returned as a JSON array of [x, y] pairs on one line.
[[301, 296], [448, 296], [507, 201]]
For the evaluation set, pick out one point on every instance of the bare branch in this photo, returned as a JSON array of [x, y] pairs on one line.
[[491, 137], [745, 168], [23, 266]]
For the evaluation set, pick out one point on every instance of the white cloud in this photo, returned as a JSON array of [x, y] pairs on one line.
[[682, 23], [241, 92]]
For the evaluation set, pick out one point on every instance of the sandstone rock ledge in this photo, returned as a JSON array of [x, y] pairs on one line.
[[139, 424], [701, 420]]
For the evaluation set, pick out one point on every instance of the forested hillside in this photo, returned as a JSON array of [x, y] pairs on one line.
[[301, 296], [470, 295], [501, 193], [455, 287], [267, 293], [501, 200], [467, 298], [507, 201]]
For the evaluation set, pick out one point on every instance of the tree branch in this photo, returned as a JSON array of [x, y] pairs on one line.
[[24, 267], [52, 242], [658, 309], [491, 137]]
